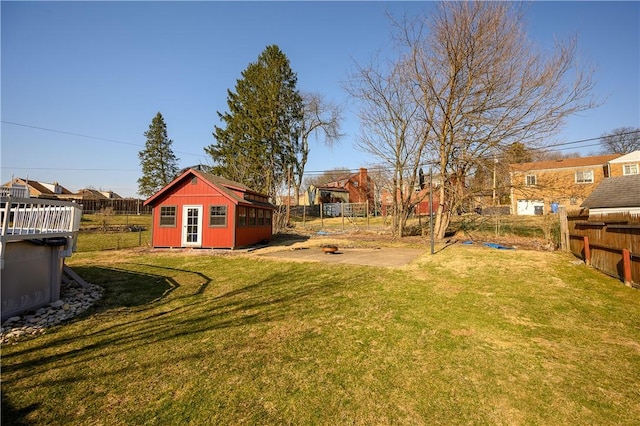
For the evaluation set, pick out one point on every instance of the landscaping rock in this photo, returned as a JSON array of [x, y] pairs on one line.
[[74, 299]]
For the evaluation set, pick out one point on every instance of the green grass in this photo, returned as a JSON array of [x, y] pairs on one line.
[[113, 232], [470, 335]]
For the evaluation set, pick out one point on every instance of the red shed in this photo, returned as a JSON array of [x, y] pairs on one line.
[[198, 209]]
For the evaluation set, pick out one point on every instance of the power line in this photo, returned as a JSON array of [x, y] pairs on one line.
[[316, 172], [92, 169], [88, 136]]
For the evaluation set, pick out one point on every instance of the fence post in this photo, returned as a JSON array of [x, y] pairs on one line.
[[587, 250], [367, 210], [304, 216], [564, 229], [626, 267], [342, 214], [321, 216]]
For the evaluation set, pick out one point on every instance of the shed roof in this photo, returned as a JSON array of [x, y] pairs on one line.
[[619, 191], [225, 186]]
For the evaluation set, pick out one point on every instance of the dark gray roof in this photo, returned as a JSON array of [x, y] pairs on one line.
[[619, 191]]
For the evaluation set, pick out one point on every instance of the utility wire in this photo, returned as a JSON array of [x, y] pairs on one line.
[[89, 136], [309, 173]]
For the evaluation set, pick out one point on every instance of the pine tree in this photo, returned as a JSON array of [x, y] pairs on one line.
[[260, 137], [159, 164]]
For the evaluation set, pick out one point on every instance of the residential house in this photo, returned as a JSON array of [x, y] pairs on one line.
[[543, 186], [94, 194], [200, 210], [323, 194], [41, 189], [625, 165], [419, 198], [618, 194], [359, 186]]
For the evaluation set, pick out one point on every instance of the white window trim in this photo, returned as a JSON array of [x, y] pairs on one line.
[[575, 176], [526, 180], [624, 169]]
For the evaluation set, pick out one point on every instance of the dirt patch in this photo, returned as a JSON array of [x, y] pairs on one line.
[[381, 256], [353, 248]]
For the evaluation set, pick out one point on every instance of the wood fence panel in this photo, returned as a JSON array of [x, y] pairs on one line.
[[609, 243]]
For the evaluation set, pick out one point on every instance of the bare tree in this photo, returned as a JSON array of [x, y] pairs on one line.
[[318, 115], [326, 177], [622, 140], [393, 130], [483, 85]]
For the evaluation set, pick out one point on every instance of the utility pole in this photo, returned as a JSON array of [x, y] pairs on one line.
[[495, 161], [288, 195], [431, 210]]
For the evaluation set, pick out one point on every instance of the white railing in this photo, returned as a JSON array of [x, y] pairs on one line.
[[14, 191], [36, 219]]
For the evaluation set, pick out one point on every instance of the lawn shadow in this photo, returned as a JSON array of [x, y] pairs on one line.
[[287, 240], [13, 416], [126, 288], [263, 301]]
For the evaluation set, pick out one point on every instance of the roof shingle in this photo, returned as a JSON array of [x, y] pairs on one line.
[[597, 160], [619, 191]]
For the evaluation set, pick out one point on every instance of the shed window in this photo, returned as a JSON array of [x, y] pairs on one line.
[[260, 217], [252, 217], [168, 216], [530, 180], [267, 217], [242, 216], [218, 216], [585, 176], [630, 169]]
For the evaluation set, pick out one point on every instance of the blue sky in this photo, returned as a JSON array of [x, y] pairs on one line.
[[95, 74]]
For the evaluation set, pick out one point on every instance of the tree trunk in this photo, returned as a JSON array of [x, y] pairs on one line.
[[443, 217]]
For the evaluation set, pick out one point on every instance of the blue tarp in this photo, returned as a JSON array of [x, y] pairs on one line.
[[498, 246]]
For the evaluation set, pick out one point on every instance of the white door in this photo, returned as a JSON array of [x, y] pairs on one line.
[[192, 226], [528, 207]]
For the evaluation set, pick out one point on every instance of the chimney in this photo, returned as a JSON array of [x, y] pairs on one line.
[[362, 178]]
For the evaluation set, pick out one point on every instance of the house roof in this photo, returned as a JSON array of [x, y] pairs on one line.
[[94, 194], [632, 157], [331, 188], [43, 188], [225, 186], [343, 179], [619, 191], [598, 160]]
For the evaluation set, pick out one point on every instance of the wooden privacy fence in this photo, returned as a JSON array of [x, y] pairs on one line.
[[119, 205], [609, 243]]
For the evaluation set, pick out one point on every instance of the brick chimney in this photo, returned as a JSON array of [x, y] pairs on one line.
[[362, 178]]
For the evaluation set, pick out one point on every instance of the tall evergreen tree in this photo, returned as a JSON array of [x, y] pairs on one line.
[[260, 138], [159, 164]]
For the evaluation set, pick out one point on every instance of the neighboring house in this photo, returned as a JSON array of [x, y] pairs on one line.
[[618, 194], [41, 189], [94, 194], [419, 198], [322, 194], [359, 186], [198, 209], [543, 186], [628, 164]]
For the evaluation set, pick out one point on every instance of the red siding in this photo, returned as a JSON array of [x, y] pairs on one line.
[[198, 192]]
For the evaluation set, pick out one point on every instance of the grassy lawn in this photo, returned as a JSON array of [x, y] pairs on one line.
[[471, 335]]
